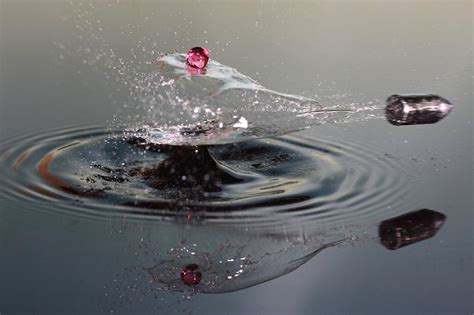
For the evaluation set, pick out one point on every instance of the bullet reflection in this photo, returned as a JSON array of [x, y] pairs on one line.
[[410, 228]]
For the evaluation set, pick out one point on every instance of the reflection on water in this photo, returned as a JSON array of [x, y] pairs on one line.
[[213, 259], [227, 217], [410, 228], [180, 260], [223, 260]]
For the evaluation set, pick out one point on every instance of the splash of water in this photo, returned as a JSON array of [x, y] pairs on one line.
[[218, 104], [167, 102]]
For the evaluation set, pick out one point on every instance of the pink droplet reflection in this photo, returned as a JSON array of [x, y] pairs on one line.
[[190, 274]]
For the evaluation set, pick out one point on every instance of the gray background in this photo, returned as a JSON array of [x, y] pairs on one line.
[[52, 264]]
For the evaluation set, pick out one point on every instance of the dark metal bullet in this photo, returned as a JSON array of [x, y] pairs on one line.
[[409, 228], [413, 109]]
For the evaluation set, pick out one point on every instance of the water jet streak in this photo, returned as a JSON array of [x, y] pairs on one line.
[[175, 106]]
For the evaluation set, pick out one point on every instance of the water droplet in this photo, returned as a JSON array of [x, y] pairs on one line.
[[197, 57]]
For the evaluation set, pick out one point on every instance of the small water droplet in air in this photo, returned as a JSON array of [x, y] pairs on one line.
[[190, 274], [197, 57]]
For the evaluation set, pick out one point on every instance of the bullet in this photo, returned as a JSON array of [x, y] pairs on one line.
[[414, 109], [410, 228]]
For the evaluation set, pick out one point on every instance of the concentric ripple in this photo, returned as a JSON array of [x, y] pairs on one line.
[[96, 172]]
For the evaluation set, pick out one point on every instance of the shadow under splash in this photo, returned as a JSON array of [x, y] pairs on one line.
[[193, 171]]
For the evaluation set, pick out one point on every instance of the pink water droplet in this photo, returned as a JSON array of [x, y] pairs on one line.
[[197, 57], [190, 274]]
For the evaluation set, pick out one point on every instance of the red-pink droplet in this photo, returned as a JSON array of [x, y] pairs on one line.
[[190, 274], [197, 57]]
